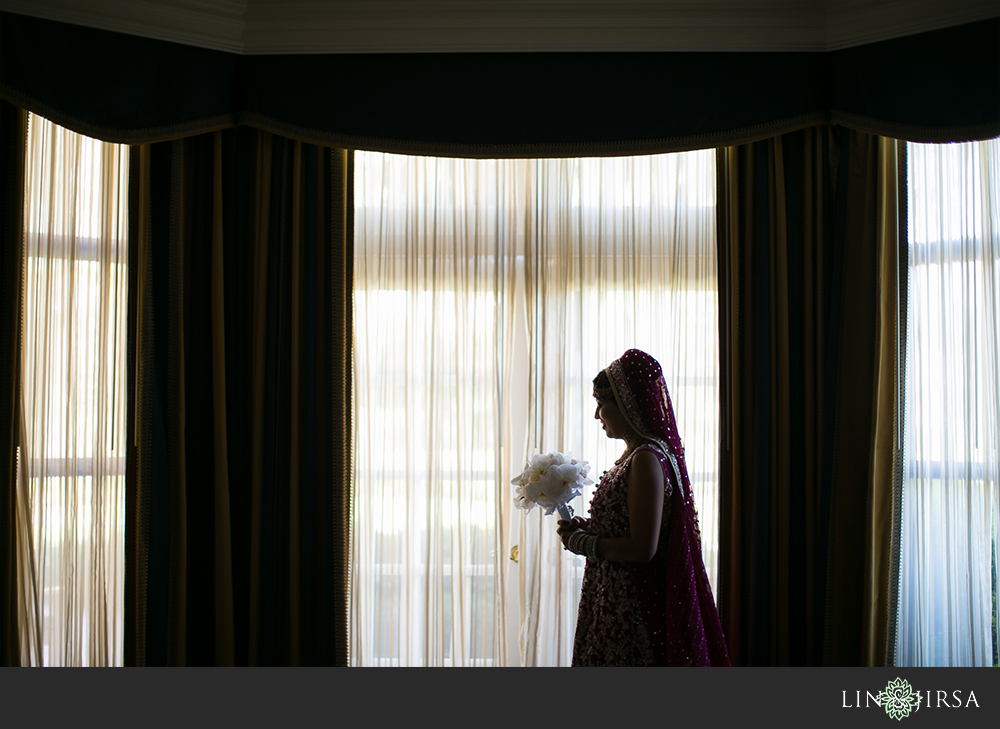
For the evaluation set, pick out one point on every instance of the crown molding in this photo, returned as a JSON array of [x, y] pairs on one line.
[[858, 22], [257, 27], [215, 24]]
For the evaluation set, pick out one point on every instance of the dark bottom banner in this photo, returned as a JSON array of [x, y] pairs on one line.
[[196, 697]]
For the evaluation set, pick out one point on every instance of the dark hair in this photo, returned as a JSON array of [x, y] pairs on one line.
[[602, 382]]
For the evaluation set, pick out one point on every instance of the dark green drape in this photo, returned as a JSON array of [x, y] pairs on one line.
[[13, 136], [238, 481], [801, 341]]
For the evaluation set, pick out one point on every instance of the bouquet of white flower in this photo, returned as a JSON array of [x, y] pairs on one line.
[[551, 481]]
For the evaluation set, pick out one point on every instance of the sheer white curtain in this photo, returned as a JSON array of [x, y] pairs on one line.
[[71, 465], [488, 294], [951, 502], [435, 243], [623, 255]]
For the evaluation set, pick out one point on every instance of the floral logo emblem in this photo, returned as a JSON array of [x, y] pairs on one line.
[[899, 699]]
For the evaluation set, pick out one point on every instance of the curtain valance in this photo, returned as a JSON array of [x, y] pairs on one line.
[[942, 85]]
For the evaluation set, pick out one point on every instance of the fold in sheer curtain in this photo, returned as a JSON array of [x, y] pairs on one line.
[[951, 492], [488, 294], [70, 484]]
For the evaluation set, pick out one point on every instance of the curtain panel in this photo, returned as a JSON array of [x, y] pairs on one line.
[[802, 236], [622, 254], [435, 275], [239, 473], [13, 138], [70, 479], [946, 552]]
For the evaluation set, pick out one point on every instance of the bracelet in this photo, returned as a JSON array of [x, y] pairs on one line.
[[582, 543], [573, 544]]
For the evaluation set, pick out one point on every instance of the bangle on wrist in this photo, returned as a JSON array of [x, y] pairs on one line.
[[583, 544], [573, 543]]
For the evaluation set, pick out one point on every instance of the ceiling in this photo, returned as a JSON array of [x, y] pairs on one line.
[[407, 26]]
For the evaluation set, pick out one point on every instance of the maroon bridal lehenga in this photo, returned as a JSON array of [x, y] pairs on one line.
[[659, 613]]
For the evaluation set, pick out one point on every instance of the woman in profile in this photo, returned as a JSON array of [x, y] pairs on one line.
[[646, 599]]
